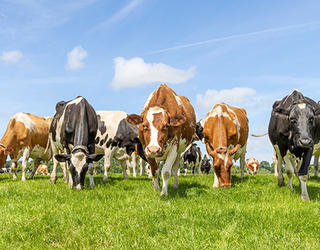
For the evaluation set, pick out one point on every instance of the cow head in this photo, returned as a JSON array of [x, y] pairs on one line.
[[199, 131], [4, 152], [78, 163], [205, 165], [302, 123], [222, 163], [252, 166], [154, 128]]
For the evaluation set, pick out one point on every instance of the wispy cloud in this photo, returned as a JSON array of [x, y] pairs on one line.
[[136, 72], [119, 15], [238, 36], [11, 57]]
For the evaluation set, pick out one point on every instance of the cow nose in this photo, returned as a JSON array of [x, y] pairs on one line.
[[226, 185], [306, 141], [153, 149]]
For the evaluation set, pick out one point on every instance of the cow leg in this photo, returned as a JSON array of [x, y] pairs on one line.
[[279, 167], [142, 166], [25, 158], [36, 163], [243, 160], [124, 165], [14, 170], [185, 171], [316, 164], [166, 170], [66, 177], [303, 174], [175, 169], [90, 174], [107, 163], [275, 163], [289, 168], [134, 164]]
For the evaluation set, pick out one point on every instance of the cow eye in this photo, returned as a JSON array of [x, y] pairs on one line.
[[311, 119], [293, 120], [145, 127], [165, 127]]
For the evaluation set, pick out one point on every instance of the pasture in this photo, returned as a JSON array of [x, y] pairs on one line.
[[128, 214]]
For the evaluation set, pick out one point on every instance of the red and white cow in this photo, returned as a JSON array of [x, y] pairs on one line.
[[252, 166], [26, 136], [42, 169], [166, 127], [225, 133]]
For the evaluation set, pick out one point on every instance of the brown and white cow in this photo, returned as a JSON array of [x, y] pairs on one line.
[[42, 169], [252, 166], [26, 136], [225, 133], [166, 127]]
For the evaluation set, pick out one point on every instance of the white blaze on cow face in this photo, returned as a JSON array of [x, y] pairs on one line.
[[25, 119], [153, 130], [302, 105], [78, 160]]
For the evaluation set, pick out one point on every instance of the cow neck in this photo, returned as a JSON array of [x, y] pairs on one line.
[[7, 139], [220, 137]]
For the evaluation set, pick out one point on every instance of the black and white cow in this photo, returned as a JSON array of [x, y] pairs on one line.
[[73, 131], [192, 157], [294, 128], [205, 165], [199, 130], [117, 138]]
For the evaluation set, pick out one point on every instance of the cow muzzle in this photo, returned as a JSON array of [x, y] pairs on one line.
[[226, 185], [153, 151], [305, 142]]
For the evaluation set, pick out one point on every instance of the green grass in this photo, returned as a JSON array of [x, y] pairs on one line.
[[128, 214]]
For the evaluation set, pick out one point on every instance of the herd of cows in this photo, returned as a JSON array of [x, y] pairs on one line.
[[161, 136]]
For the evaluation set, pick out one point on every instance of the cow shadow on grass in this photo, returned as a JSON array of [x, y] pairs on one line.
[[235, 180], [113, 180], [186, 190]]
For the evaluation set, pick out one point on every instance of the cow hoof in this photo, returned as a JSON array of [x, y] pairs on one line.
[[92, 185], [78, 187], [23, 179], [155, 185], [281, 182], [14, 178], [305, 197], [163, 194], [105, 178], [53, 180], [175, 185]]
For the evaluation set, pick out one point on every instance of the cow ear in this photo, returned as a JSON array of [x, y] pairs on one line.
[[62, 157], [235, 149], [7, 151], [134, 119], [177, 120], [94, 157]]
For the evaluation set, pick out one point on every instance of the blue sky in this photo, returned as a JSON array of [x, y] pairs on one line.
[[115, 53]]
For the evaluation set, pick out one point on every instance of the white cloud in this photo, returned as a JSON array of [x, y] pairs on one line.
[[235, 96], [11, 57], [75, 58], [135, 72]]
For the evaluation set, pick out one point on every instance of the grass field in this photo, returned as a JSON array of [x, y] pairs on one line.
[[128, 214]]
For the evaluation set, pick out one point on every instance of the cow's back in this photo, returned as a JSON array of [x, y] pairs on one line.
[[244, 124]]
